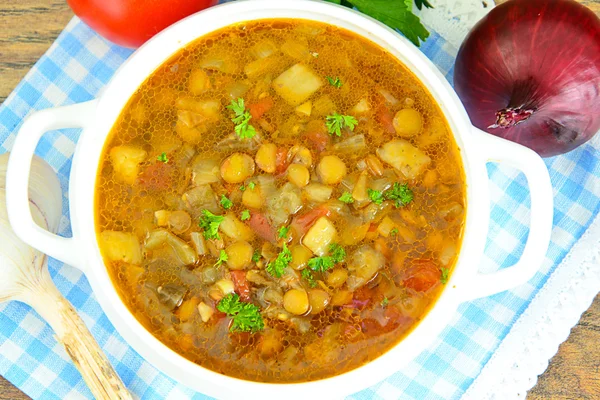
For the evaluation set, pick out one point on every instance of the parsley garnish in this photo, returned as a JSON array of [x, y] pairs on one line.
[[322, 264], [394, 232], [336, 122], [163, 158], [346, 198], [283, 232], [375, 195], [222, 258], [210, 222], [335, 82], [400, 194], [276, 268], [251, 185], [397, 14], [245, 317], [444, 277], [242, 187], [225, 202], [384, 302], [241, 120], [256, 256], [308, 276], [245, 215]]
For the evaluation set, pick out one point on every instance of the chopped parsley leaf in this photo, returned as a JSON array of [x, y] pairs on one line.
[[375, 195], [324, 263], [335, 82], [400, 194], [346, 198], [283, 232], [242, 119], [222, 258], [444, 277], [251, 185], [163, 158], [337, 252], [242, 187], [276, 267], [245, 215], [245, 317], [308, 276], [256, 256], [384, 302], [225, 202], [336, 122], [394, 232], [210, 222]]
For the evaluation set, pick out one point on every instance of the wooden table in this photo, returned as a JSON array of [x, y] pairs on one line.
[[28, 27]]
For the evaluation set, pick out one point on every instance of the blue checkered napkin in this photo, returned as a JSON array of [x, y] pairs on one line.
[[76, 68]]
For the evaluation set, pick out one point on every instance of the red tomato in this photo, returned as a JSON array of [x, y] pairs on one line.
[[386, 119], [261, 226], [319, 140], [258, 109], [242, 288], [281, 160], [422, 275], [130, 23]]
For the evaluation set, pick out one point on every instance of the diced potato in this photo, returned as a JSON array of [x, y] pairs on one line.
[[161, 217], [363, 265], [298, 175], [362, 107], [318, 299], [199, 82], [226, 286], [404, 157], [320, 236], [237, 168], [239, 255], [331, 170], [120, 246], [187, 308], [385, 226], [205, 311], [235, 229], [337, 278], [133, 274], [295, 301], [408, 122], [300, 256], [159, 237], [266, 157], [434, 131], [126, 162], [296, 84], [317, 192], [304, 109], [200, 111], [253, 198]]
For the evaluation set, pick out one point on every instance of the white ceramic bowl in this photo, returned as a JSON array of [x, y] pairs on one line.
[[97, 117]]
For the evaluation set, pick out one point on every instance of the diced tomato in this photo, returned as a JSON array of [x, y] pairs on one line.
[[281, 161], [261, 226], [422, 275], [258, 109], [392, 320], [318, 139], [157, 176], [241, 285], [386, 119], [303, 222]]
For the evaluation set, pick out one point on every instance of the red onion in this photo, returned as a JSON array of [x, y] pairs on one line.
[[530, 72]]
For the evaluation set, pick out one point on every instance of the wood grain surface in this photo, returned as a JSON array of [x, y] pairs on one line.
[[28, 27]]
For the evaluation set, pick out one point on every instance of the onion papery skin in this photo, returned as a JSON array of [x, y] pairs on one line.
[[530, 72]]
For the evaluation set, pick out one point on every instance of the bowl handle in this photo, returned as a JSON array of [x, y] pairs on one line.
[[17, 179], [531, 164]]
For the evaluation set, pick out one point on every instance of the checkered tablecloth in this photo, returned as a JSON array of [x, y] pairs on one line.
[[76, 68]]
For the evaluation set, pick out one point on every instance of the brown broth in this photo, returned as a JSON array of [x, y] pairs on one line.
[[373, 317]]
